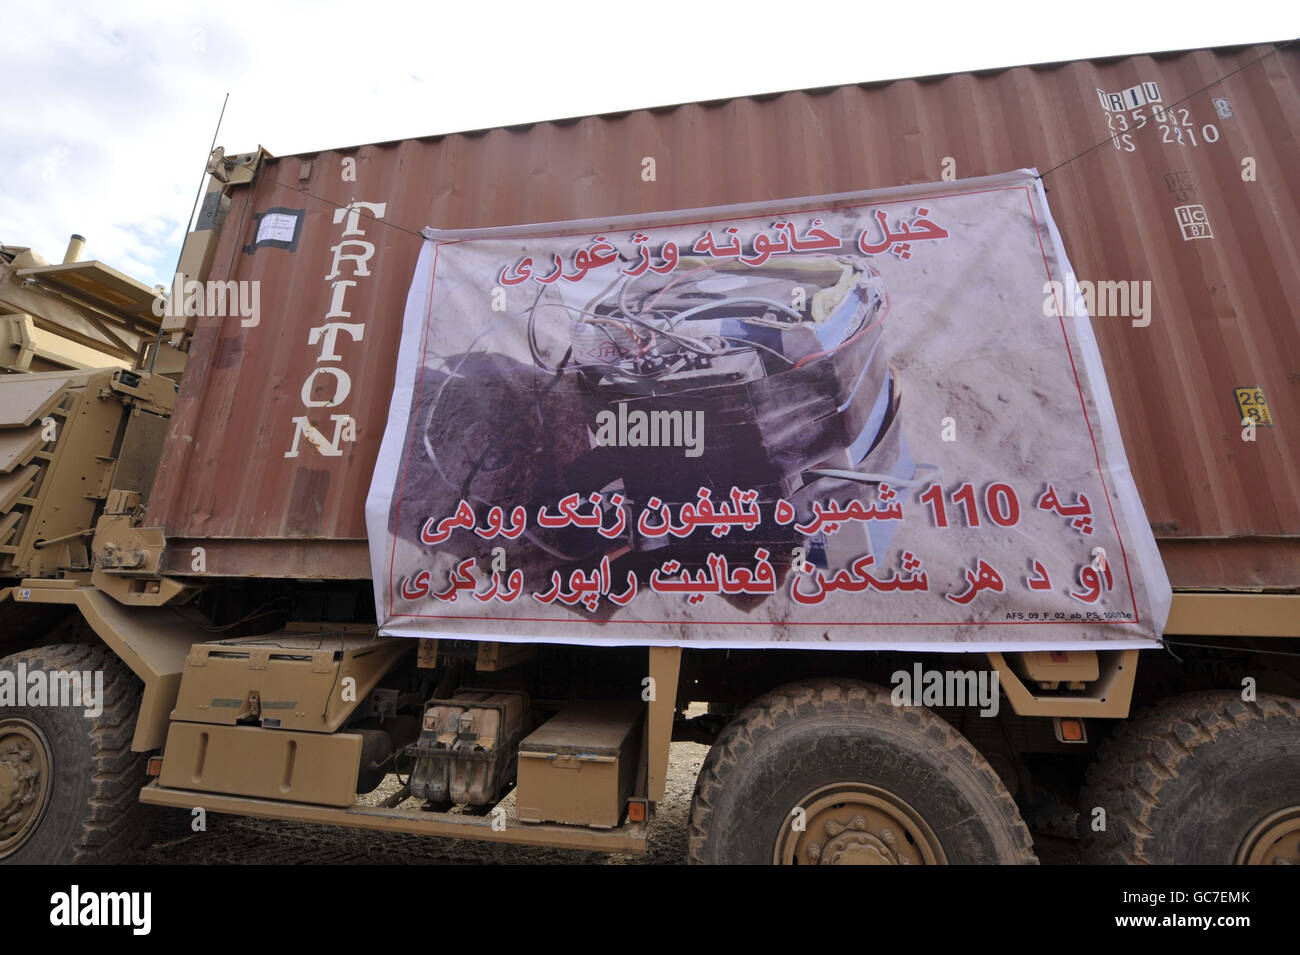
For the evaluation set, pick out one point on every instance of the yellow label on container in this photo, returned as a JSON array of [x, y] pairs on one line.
[[1253, 405]]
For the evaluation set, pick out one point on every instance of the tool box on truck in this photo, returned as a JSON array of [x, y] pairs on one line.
[[579, 766]]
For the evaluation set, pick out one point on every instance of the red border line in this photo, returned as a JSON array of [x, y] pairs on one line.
[[1083, 407], [678, 225], [788, 623], [410, 430]]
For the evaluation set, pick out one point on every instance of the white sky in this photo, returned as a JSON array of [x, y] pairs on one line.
[[108, 113]]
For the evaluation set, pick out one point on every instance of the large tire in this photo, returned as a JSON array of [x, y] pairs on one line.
[[878, 784], [1198, 779], [84, 795]]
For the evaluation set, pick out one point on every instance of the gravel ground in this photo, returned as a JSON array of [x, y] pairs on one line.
[[240, 840]]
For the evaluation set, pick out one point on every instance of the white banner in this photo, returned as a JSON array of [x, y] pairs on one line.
[[874, 420]]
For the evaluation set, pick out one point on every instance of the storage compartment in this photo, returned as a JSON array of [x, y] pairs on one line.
[[579, 766], [319, 768], [287, 680]]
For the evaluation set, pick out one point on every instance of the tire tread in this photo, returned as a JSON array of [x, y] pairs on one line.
[[810, 697], [115, 825], [1147, 753]]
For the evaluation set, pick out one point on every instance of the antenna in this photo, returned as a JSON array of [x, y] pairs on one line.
[[190, 221]]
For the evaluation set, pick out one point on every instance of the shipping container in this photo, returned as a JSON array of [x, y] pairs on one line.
[[1203, 206]]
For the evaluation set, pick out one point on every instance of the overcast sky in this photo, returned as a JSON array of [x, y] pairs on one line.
[[108, 112]]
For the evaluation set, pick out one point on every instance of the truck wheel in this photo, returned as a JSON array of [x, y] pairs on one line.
[[69, 783], [830, 772], [1199, 779]]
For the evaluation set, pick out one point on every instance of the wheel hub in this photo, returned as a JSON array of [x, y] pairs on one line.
[[1274, 841], [24, 782], [856, 824]]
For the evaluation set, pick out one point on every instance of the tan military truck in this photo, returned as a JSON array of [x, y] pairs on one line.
[[220, 583]]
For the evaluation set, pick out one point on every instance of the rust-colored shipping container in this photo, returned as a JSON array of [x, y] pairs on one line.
[[1178, 169]]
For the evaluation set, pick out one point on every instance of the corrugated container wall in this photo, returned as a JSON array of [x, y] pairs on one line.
[[1223, 312]]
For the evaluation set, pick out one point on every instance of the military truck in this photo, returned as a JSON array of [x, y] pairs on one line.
[[170, 520]]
